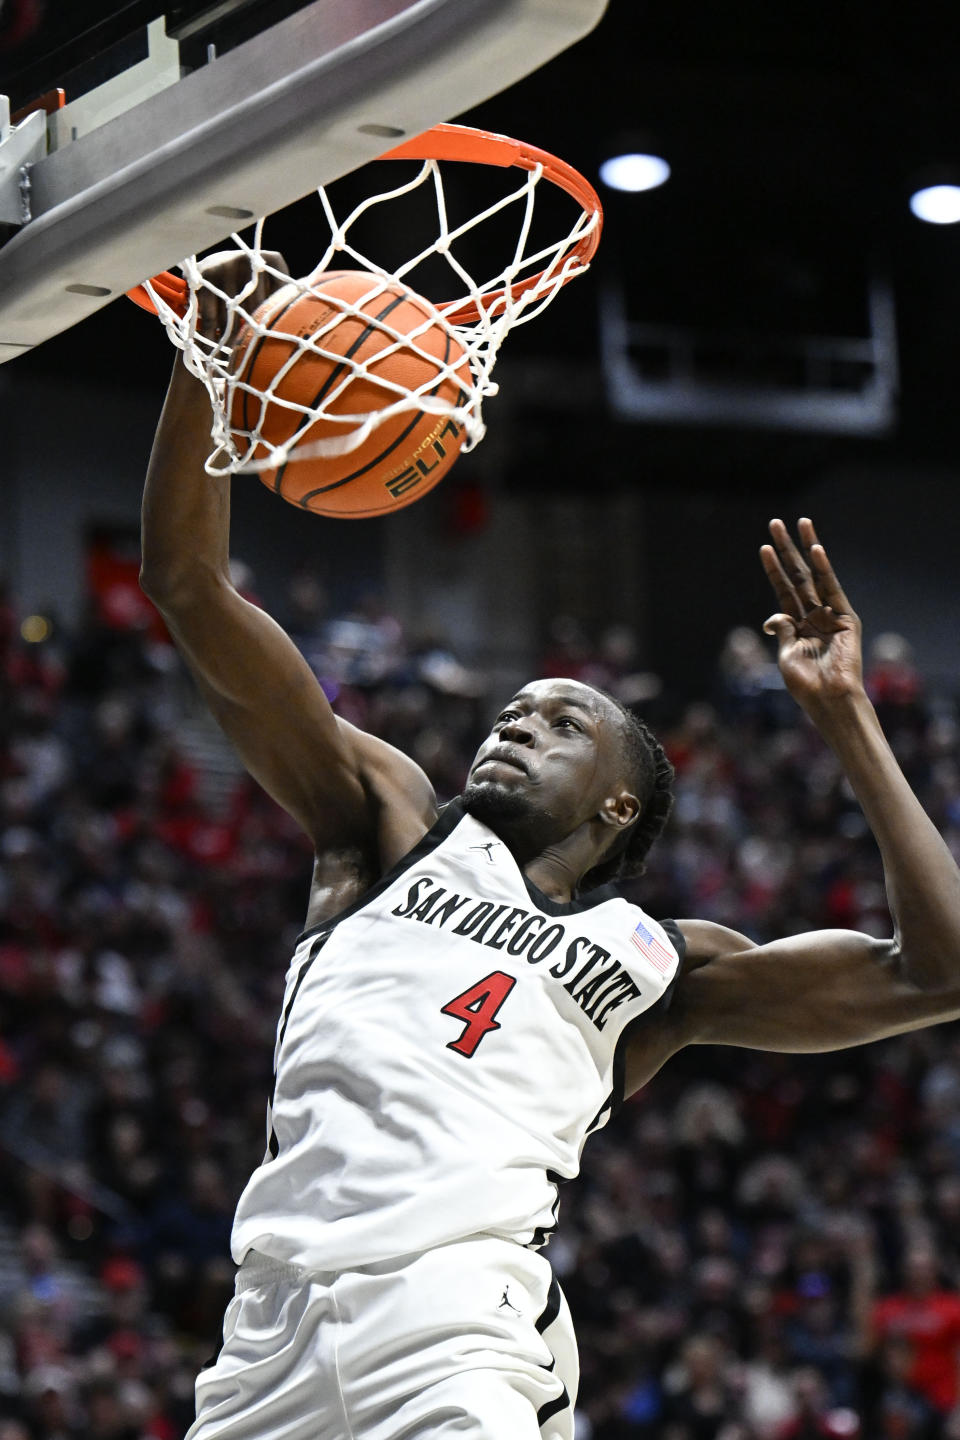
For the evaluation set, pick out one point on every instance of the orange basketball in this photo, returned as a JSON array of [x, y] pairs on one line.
[[405, 455]]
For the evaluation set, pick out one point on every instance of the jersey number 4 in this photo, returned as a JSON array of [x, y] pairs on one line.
[[477, 1007]]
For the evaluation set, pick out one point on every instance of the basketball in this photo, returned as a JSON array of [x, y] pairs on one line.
[[405, 455]]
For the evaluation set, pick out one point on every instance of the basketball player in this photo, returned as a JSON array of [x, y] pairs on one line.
[[471, 997]]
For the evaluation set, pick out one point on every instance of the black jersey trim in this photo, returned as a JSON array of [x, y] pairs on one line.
[[450, 816], [553, 1407], [543, 1322], [273, 1144], [315, 949], [602, 1115], [570, 907], [543, 1232], [444, 826], [659, 1007], [209, 1364], [551, 1310], [576, 906], [677, 939], [543, 902]]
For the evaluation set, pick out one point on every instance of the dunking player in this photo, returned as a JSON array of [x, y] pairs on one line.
[[471, 997]]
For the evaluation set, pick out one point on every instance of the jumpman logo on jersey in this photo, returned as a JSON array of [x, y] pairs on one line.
[[505, 1298], [490, 845]]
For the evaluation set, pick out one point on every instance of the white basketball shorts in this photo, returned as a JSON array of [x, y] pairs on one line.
[[472, 1340]]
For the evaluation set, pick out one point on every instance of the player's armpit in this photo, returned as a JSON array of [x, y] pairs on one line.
[[655, 1037], [820, 991]]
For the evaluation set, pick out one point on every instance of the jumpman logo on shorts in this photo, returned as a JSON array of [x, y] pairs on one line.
[[505, 1298], [490, 845]]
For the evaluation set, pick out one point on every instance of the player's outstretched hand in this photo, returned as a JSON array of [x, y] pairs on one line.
[[228, 273], [818, 634]]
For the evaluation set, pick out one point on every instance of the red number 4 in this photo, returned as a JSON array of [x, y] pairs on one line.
[[476, 1007]]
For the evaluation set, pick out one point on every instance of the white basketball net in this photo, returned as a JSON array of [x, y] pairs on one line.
[[498, 303]]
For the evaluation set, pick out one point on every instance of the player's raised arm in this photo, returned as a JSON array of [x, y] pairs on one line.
[[834, 988], [345, 788]]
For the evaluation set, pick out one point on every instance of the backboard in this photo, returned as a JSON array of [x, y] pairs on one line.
[[164, 130]]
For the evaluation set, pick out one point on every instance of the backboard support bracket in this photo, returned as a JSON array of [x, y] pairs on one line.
[[21, 147], [115, 97]]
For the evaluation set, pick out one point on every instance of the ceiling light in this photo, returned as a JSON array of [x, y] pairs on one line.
[[937, 204], [634, 172]]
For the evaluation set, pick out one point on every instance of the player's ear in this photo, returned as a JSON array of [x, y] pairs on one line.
[[620, 811]]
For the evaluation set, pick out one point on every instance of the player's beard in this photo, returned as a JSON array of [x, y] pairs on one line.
[[491, 802], [501, 807]]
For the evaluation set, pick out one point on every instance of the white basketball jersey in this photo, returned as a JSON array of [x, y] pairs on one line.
[[445, 1047]]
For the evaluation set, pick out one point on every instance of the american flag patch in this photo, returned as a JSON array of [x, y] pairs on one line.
[[652, 949]]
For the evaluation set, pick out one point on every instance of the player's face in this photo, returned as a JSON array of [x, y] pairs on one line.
[[555, 751]]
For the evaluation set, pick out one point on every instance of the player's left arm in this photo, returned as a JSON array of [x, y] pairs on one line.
[[833, 988]]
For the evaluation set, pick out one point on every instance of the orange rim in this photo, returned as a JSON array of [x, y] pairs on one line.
[[170, 287], [480, 147]]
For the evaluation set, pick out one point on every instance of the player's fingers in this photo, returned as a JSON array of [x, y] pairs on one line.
[[783, 627], [276, 262], [794, 566], [787, 597], [828, 585], [820, 624], [210, 314]]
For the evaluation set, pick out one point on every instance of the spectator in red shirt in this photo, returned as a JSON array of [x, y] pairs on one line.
[[928, 1316]]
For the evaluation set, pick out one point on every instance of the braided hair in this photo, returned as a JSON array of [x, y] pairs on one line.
[[650, 774]]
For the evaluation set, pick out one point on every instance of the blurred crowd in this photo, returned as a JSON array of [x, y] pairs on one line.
[[759, 1247]]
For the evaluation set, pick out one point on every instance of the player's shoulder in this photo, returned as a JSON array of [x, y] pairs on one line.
[[704, 946], [390, 777], [706, 941]]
